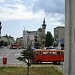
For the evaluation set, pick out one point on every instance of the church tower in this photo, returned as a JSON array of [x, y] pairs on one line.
[[43, 34], [44, 25]]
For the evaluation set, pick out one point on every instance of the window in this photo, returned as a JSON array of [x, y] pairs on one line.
[[35, 36], [58, 52], [54, 52], [38, 53], [46, 52], [35, 40]]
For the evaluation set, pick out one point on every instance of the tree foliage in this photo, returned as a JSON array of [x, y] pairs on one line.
[[3, 43], [49, 39], [26, 54]]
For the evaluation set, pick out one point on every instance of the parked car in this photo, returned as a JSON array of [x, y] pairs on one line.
[[51, 47], [62, 48]]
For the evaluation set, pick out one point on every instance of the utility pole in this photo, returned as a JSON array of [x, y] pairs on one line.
[[0, 30], [24, 37], [69, 53]]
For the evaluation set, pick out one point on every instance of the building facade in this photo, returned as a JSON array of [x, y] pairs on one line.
[[59, 35], [28, 38], [19, 40], [6, 41], [35, 38]]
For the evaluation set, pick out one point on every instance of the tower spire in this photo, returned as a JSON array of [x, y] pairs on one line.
[[44, 21], [44, 25]]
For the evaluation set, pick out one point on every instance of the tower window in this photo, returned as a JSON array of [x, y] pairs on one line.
[[35, 40], [35, 36]]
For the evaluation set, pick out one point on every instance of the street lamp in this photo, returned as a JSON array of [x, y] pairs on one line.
[[0, 29], [24, 36]]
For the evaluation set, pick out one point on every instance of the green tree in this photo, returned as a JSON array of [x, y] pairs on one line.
[[7, 39], [1, 43], [49, 39], [27, 57], [5, 43]]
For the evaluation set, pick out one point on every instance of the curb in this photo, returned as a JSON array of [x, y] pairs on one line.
[[58, 68]]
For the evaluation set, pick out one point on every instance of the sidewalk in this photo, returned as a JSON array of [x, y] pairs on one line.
[[59, 68]]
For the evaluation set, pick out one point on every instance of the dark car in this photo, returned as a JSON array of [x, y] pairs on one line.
[[37, 47]]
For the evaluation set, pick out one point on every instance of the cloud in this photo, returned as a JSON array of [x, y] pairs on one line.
[[32, 9], [18, 1], [17, 11], [2, 1], [55, 19], [49, 6], [55, 9]]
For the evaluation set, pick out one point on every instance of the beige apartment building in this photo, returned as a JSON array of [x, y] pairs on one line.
[[59, 35], [19, 40], [7, 40]]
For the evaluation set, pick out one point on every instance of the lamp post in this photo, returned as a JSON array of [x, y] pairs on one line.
[[24, 36], [0, 29]]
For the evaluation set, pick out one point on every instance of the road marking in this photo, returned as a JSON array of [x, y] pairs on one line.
[[9, 53], [0, 57], [17, 54]]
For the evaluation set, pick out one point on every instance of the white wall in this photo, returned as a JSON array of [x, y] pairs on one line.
[[31, 39], [28, 38]]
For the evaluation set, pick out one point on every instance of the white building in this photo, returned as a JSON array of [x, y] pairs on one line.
[[34, 38], [59, 35]]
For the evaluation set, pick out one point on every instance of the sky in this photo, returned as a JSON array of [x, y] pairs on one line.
[[17, 15]]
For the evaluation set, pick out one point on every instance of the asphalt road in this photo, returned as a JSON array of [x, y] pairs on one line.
[[11, 55]]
